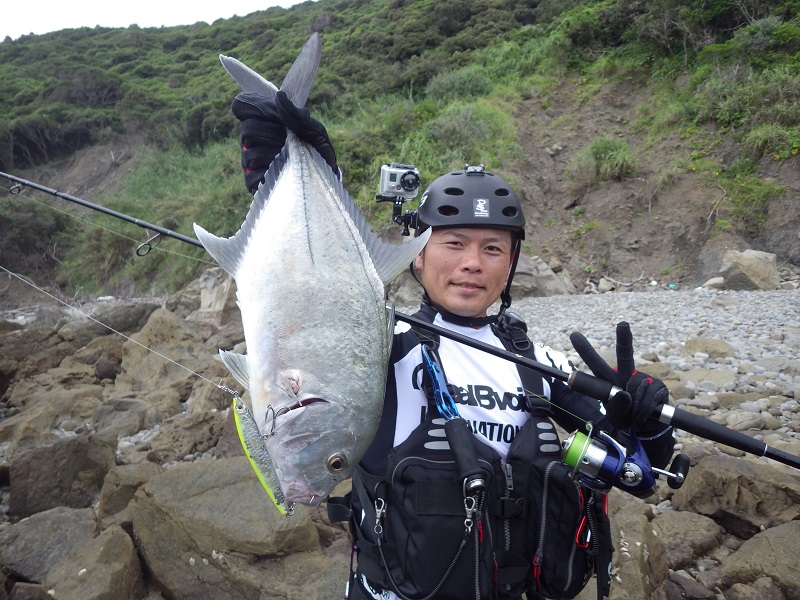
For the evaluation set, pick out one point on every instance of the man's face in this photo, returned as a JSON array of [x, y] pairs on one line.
[[464, 270]]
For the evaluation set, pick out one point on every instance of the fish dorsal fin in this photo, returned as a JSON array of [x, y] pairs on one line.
[[297, 83], [228, 252], [389, 259], [237, 365]]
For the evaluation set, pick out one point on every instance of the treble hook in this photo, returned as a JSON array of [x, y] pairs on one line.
[[144, 248], [275, 415]]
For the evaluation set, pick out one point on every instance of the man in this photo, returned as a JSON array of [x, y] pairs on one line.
[[436, 548]]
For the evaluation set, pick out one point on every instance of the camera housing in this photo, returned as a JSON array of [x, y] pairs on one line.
[[399, 181]]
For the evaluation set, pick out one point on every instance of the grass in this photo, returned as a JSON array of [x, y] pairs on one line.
[[603, 159]]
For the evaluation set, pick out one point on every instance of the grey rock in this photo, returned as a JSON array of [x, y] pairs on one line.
[[761, 589], [103, 568], [689, 588], [68, 472], [30, 548], [686, 535], [741, 421], [741, 495], [122, 418], [29, 591], [771, 553], [208, 530], [713, 348], [750, 270], [119, 486], [186, 434], [535, 278]]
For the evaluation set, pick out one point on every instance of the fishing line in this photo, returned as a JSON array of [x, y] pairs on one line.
[[128, 338], [19, 189]]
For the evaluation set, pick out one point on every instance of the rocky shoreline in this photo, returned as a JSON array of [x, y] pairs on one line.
[[121, 475]]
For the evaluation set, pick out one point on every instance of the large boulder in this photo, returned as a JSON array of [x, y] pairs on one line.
[[67, 472], [772, 553], [750, 270], [206, 529], [123, 316], [686, 535], [50, 410], [185, 434], [103, 568], [743, 495], [118, 490], [534, 277], [31, 547], [160, 362]]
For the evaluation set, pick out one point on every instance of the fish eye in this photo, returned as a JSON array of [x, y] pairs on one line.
[[337, 463]]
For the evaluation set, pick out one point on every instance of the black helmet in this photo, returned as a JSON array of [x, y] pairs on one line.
[[471, 198]]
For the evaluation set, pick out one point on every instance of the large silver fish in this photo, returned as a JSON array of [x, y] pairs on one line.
[[310, 279]]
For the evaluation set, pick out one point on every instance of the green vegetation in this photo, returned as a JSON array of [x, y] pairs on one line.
[[586, 228], [433, 82], [603, 159]]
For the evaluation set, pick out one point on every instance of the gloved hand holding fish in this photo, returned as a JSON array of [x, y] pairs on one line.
[[310, 279]]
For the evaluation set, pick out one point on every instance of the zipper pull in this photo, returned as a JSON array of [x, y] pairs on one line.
[[509, 478], [537, 567]]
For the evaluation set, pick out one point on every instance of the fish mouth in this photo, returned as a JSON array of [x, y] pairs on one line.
[[301, 404]]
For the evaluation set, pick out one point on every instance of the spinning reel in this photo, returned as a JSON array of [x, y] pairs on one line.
[[602, 462]]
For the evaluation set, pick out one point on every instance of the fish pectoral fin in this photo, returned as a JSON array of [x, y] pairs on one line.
[[227, 252], [238, 366]]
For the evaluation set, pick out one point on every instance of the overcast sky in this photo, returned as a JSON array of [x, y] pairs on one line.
[[18, 17]]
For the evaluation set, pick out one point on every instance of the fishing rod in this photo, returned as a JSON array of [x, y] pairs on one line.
[[604, 391], [143, 249], [577, 381]]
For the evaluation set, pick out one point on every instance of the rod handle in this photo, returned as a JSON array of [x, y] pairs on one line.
[[594, 387]]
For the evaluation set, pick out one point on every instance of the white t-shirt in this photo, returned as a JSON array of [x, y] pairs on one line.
[[489, 394]]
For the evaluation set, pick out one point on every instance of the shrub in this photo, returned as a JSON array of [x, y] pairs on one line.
[[603, 159], [468, 82]]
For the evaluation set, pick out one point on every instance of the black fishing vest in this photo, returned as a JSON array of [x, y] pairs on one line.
[[531, 529]]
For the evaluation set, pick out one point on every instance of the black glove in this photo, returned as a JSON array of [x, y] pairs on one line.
[[263, 132], [639, 403]]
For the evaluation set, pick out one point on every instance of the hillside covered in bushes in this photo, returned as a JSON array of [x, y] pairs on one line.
[[433, 83]]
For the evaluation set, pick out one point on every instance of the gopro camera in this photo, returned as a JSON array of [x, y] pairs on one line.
[[399, 181]]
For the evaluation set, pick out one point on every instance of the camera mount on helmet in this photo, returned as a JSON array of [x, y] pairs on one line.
[[399, 183]]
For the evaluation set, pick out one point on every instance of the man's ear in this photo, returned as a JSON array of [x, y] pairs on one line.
[[419, 261]]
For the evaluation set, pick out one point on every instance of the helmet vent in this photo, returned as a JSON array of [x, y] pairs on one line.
[[454, 191], [448, 210], [502, 192], [510, 211]]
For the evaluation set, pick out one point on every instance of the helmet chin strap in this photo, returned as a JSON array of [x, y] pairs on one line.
[[505, 297]]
